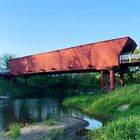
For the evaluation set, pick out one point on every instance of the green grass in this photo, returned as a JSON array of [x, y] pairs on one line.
[[49, 122], [122, 129], [108, 104], [125, 124], [14, 131], [56, 134]]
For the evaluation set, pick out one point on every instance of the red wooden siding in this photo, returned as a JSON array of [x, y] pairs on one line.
[[97, 56]]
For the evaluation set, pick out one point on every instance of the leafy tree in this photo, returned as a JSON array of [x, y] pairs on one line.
[[137, 51], [4, 67], [133, 74]]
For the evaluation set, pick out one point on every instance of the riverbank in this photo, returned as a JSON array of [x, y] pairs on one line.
[[63, 129], [121, 105]]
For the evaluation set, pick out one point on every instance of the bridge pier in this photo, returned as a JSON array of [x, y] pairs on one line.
[[112, 79], [11, 79], [26, 80], [103, 82], [121, 79]]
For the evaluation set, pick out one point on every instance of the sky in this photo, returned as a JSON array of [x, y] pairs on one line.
[[35, 26]]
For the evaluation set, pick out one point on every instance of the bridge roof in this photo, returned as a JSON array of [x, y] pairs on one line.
[[93, 56]]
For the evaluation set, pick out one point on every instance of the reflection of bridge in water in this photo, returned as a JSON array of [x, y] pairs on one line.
[[108, 57], [30, 110]]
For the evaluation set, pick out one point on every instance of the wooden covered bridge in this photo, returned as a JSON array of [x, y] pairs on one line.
[[107, 57]]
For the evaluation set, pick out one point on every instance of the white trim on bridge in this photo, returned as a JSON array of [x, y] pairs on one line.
[[129, 58]]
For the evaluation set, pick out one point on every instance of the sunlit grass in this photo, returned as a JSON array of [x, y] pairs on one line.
[[125, 124], [108, 104], [122, 129], [14, 131]]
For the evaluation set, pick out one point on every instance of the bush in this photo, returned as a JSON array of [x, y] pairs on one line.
[[49, 122], [14, 130]]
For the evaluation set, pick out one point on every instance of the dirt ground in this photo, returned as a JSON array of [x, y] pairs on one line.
[[40, 131]]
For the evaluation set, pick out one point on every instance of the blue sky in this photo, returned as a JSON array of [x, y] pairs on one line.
[[35, 26]]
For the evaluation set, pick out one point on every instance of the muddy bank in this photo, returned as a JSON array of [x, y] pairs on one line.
[[72, 126], [40, 131]]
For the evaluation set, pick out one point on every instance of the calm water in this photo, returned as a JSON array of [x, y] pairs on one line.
[[30, 110]]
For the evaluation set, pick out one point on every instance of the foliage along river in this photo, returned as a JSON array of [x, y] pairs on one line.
[[36, 110]]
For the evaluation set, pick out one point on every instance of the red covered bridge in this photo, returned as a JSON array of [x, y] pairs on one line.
[[109, 56]]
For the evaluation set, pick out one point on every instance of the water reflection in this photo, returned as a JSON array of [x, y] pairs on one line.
[[29, 110]]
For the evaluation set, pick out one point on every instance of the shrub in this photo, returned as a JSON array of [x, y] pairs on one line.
[[14, 130], [49, 122]]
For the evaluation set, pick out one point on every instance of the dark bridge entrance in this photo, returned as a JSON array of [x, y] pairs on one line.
[[107, 57]]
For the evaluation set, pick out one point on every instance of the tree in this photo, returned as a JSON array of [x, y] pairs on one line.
[[133, 74], [137, 51], [4, 67]]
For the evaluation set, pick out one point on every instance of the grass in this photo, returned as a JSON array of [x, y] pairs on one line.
[[108, 104], [122, 129], [56, 134], [49, 122], [14, 131], [125, 124]]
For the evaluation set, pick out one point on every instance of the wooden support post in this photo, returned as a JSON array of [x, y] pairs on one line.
[[121, 79], [103, 82], [11, 79], [26, 80], [115, 82], [112, 79]]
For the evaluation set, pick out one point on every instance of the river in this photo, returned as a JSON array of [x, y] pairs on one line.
[[36, 110]]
